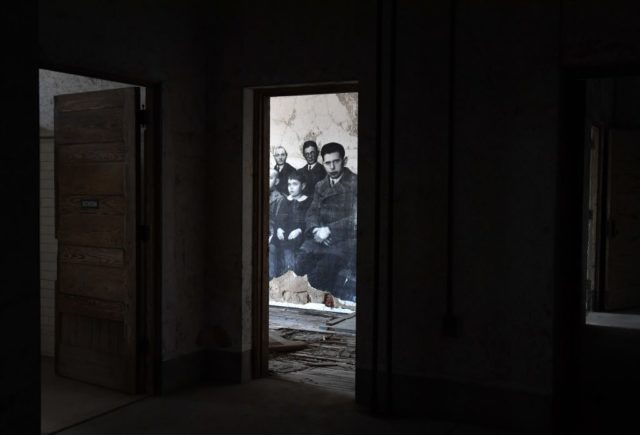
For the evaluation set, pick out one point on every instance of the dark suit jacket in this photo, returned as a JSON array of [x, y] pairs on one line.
[[313, 177], [334, 207], [275, 200], [283, 178], [291, 216]]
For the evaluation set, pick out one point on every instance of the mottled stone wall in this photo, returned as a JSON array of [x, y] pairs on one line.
[[322, 118]]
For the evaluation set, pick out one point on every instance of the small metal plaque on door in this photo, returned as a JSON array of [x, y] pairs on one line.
[[89, 203]]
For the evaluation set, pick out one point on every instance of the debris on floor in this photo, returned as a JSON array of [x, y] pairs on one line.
[[277, 343], [294, 289], [328, 356]]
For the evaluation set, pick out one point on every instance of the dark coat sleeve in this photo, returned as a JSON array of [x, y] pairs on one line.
[[274, 209], [345, 227], [313, 218]]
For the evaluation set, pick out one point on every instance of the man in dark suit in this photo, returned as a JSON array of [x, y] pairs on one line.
[[275, 201], [313, 171], [328, 254], [283, 168]]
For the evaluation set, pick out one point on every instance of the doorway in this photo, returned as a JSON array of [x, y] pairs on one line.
[[307, 285], [598, 336], [97, 224], [612, 206]]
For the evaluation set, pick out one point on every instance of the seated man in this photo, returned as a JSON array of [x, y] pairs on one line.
[[313, 171], [330, 245]]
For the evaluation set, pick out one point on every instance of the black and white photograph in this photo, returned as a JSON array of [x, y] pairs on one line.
[[313, 185]]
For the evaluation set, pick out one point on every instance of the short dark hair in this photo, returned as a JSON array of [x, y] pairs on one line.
[[297, 175], [309, 143], [332, 147]]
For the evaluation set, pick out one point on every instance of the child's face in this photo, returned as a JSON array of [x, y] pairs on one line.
[[295, 187], [273, 179]]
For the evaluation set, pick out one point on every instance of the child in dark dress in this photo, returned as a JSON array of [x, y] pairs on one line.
[[289, 222]]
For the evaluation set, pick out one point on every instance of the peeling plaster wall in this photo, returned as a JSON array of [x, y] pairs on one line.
[[321, 118]]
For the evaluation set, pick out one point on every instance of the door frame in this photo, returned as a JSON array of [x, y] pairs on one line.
[[572, 336], [257, 102], [149, 217]]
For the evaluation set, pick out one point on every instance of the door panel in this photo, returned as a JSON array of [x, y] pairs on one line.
[[622, 289], [99, 152], [96, 152], [89, 125], [91, 178], [94, 281]]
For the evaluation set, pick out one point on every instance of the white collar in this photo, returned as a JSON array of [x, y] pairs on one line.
[[299, 199], [334, 181], [311, 166]]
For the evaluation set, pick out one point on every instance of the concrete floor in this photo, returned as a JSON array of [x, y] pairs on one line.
[[65, 402], [265, 406]]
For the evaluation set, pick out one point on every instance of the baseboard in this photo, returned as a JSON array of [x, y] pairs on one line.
[[226, 366], [183, 371], [464, 402]]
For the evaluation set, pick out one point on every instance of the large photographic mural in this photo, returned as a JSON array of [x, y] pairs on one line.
[[313, 187]]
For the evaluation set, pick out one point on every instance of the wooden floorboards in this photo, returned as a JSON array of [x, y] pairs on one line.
[[328, 358]]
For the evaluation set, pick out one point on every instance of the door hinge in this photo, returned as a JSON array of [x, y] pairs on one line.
[[142, 116], [144, 233]]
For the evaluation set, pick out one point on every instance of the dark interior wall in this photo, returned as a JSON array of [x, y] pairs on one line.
[[515, 193], [19, 261], [507, 224], [155, 43], [627, 102], [497, 364], [505, 120]]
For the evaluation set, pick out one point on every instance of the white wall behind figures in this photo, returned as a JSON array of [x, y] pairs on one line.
[[324, 118]]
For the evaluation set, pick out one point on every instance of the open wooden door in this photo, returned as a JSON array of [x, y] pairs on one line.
[[96, 153], [622, 274]]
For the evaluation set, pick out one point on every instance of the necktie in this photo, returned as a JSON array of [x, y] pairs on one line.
[[310, 167]]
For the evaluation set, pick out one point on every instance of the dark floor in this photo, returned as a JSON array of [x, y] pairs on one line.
[[264, 406], [275, 405], [65, 402]]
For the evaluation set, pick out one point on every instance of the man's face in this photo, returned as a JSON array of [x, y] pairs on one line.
[[334, 164], [280, 156], [311, 154], [273, 179]]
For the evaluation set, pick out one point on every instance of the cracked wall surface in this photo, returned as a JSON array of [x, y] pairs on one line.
[[322, 118]]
